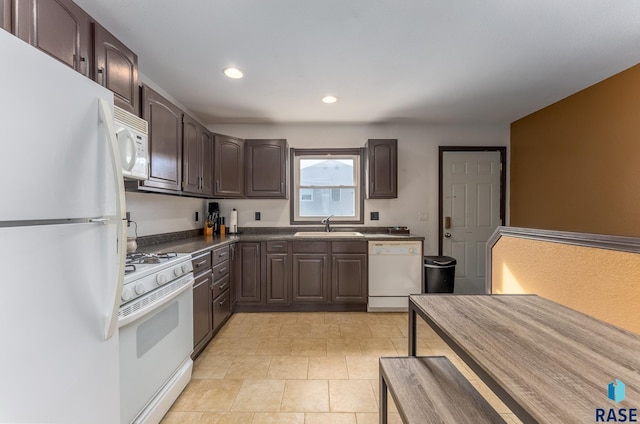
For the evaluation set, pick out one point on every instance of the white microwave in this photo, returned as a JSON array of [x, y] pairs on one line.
[[132, 134]]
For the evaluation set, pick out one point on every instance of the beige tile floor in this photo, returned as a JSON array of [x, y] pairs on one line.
[[303, 368]]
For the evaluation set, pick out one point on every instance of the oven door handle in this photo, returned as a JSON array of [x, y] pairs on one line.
[[187, 284]]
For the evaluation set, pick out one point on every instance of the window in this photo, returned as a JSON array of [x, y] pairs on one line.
[[326, 182]]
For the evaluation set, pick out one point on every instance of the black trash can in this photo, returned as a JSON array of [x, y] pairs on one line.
[[439, 274]]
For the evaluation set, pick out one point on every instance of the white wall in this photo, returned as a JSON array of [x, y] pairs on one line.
[[417, 169], [417, 177], [158, 213]]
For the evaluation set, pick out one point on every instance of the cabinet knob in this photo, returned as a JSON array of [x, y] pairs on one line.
[[101, 76]]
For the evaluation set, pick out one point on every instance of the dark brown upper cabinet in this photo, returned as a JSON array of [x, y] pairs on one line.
[[116, 68], [229, 167], [57, 27], [197, 158], [266, 168], [5, 15], [382, 169], [165, 141]]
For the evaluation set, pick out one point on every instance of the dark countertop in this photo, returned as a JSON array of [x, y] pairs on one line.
[[199, 244]]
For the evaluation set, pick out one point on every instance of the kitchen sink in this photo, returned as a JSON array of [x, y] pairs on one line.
[[331, 234]]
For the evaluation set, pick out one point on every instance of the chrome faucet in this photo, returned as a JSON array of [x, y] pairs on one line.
[[327, 226]]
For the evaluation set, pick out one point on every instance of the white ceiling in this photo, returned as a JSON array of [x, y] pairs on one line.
[[404, 61]]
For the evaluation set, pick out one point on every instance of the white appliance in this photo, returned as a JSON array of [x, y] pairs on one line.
[[156, 334], [132, 135], [395, 272], [62, 242]]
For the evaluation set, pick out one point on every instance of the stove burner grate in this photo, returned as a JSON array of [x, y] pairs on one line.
[[149, 258]]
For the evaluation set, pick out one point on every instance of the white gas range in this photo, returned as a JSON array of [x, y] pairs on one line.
[[156, 334]]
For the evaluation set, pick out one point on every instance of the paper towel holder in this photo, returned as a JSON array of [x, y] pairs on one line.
[[232, 228]]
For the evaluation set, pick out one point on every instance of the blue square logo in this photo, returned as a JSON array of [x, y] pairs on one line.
[[616, 391]]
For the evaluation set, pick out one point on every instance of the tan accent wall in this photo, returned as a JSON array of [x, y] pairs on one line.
[[575, 165], [598, 282]]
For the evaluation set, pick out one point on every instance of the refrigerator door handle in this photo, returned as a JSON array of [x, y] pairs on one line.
[[113, 305]]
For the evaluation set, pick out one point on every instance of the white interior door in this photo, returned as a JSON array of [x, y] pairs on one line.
[[471, 211]]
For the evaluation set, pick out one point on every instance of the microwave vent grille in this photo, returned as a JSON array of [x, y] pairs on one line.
[[130, 120]]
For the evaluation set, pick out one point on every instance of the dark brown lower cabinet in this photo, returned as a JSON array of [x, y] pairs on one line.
[[248, 279], [277, 278], [349, 278], [221, 309], [202, 312], [233, 274], [310, 277], [301, 275]]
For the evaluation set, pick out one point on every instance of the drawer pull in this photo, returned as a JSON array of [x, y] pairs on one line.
[[222, 286], [221, 254], [278, 246], [222, 270], [202, 262], [222, 302]]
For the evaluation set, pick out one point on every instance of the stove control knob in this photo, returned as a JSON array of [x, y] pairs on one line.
[[177, 271], [126, 294], [140, 289], [161, 279], [186, 267]]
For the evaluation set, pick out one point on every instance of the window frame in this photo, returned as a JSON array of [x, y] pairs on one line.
[[295, 185]]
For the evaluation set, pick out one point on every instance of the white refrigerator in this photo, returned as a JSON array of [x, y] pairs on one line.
[[62, 235]]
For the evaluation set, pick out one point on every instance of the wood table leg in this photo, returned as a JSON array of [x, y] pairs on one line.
[[383, 399], [412, 329]]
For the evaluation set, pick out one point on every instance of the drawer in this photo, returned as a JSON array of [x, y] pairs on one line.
[[349, 247], [220, 270], [277, 246], [201, 263], [310, 247], [220, 286], [221, 309], [220, 254]]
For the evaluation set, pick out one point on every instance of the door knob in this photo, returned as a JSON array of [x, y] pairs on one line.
[[447, 235]]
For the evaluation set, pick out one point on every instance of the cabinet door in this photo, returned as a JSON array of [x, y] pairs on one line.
[[310, 278], [165, 140], [233, 274], [277, 281], [249, 282], [191, 155], [206, 143], [382, 169], [221, 310], [349, 278], [116, 68], [57, 27], [229, 166], [5, 15], [266, 168], [202, 312]]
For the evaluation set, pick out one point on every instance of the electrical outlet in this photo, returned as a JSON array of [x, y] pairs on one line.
[[197, 216], [423, 216], [375, 216], [258, 216]]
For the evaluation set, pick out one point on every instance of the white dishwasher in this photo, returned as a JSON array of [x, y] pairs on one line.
[[395, 271]]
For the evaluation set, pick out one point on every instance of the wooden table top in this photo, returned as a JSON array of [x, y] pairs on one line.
[[553, 362]]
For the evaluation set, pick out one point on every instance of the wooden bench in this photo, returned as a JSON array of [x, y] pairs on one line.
[[429, 389]]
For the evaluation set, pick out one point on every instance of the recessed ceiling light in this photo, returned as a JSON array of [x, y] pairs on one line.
[[329, 99], [234, 73]]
